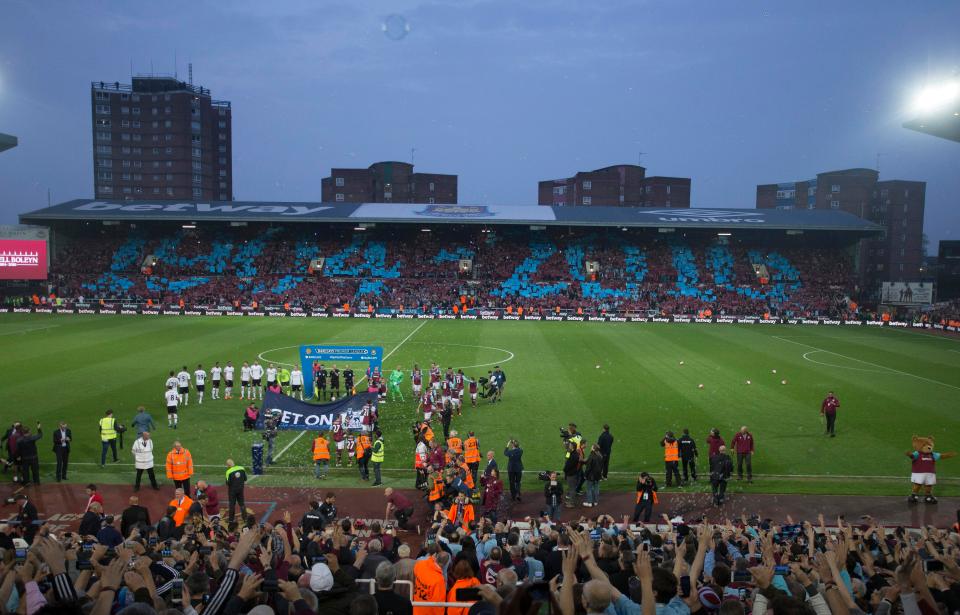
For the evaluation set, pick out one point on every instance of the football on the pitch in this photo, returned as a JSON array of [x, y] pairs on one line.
[[773, 371], [748, 382], [598, 367], [681, 362], [699, 386], [783, 382]]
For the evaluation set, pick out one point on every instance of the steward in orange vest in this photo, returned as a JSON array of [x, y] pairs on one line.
[[182, 503], [462, 513], [454, 444], [671, 458], [180, 466], [424, 432], [467, 476], [364, 451], [646, 497], [439, 488], [321, 457]]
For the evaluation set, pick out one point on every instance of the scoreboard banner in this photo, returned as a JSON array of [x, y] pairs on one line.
[[23, 259], [295, 414], [221, 311], [906, 293]]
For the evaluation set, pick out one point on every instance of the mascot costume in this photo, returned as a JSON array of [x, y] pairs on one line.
[[923, 470]]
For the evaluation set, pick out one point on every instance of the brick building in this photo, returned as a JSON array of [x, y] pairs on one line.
[[388, 182], [160, 139], [898, 205], [623, 185]]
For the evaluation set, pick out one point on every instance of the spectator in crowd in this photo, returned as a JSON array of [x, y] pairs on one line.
[[92, 520], [389, 601], [134, 516], [553, 493], [27, 516]]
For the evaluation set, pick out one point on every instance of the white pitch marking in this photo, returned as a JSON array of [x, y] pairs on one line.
[[890, 369], [856, 369], [28, 330]]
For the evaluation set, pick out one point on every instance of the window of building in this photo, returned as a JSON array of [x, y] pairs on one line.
[[105, 162], [137, 137], [902, 251], [221, 124], [835, 204], [155, 124], [125, 164], [194, 109], [901, 266], [124, 97], [124, 123], [136, 110], [137, 164], [222, 136], [168, 137], [127, 190], [223, 111], [103, 136], [125, 177], [156, 178], [222, 149], [883, 193], [647, 190], [103, 123], [432, 186], [105, 175], [667, 203], [587, 200], [196, 166], [431, 200], [168, 150], [197, 193], [195, 126], [103, 109], [559, 190], [137, 177], [169, 177], [155, 138], [138, 150], [221, 160], [167, 110], [223, 196], [167, 124], [587, 185], [156, 189], [104, 149], [138, 189], [668, 190], [835, 188], [154, 111], [338, 181], [156, 164], [223, 172], [223, 185], [125, 110], [125, 150], [166, 97], [135, 123], [195, 139], [197, 179], [339, 196], [105, 189], [879, 266], [906, 207], [101, 96], [906, 193], [169, 191], [168, 163], [195, 152], [155, 151], [135, 98]]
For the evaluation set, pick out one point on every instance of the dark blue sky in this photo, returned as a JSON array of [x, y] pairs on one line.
[[505, 93]]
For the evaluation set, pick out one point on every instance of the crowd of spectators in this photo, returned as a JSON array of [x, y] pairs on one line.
[[242, 266], [329, 564]]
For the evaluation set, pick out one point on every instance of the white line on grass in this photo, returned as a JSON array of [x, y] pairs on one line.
[[889, 369], [385, 357], [28, 330], [473, 346], [806, 356]]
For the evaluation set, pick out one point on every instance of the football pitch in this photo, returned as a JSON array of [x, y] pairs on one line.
[[642, 379]]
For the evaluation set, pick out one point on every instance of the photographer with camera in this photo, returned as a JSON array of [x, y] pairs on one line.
[[514, 455], [270, 434], [646, 497]]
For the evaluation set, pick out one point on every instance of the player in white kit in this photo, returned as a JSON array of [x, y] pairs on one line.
[[296, 382], [228, 381], [215, 373], [271, 374], [245, 389], [183, 386], [173, 400], [200, 381], [256, 378]]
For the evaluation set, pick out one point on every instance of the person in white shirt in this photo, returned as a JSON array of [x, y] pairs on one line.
[[215, 373], [256, 377], [296, 382], [171, 381], [183, 385], [245, 389], [271, 374], [200, 380], [173, 400], [228, 381], [143, 460]]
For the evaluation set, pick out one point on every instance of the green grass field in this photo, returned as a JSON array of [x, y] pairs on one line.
[[891, 383]]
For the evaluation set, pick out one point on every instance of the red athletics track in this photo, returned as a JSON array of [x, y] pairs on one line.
[[63, 504]]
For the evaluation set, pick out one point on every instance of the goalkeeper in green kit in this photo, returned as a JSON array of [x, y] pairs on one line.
[[393, 383]]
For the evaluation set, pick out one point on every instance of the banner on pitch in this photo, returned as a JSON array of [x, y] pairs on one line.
[[295, 414]]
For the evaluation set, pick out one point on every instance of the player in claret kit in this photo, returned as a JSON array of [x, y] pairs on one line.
[[337, 434], [228, 381], [183, 386], [173, 400], [350, 444], [434, 376], [426, 404], [472, 384], [200, 380], [416, 381], [215, 372], [245, 389], [456, 397]]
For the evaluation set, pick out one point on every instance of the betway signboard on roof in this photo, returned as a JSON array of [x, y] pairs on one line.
[[271, 211]]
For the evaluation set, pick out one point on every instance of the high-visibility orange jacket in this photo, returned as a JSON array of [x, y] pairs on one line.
[[468, 515], [436, 494], [471, 450], [452, 595], [320, 449], [428, 586], [428, 434], [468, 476], [455, 445], [179, 464], [671, 451], [363, 443], [183, 507]]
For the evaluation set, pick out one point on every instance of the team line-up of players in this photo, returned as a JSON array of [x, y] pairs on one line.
[[444, 388]]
